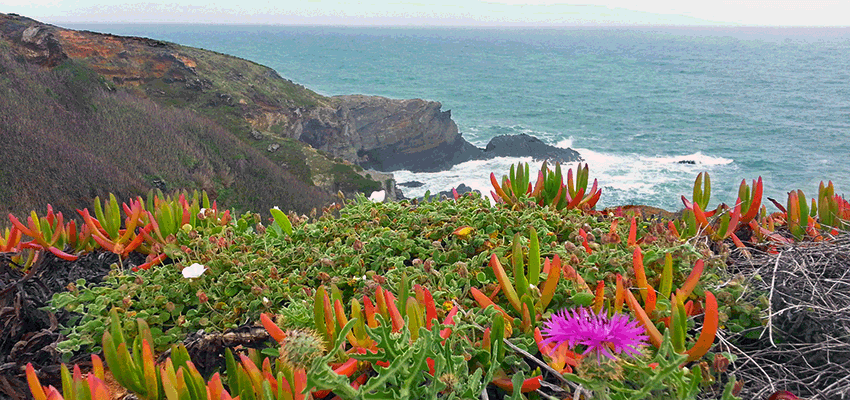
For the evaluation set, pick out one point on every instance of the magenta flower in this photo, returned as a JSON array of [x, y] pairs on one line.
[[597, 332]]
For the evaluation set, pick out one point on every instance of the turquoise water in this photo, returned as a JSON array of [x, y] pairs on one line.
[[739, 102]]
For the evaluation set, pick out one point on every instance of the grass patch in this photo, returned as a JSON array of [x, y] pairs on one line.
[[350, 181]]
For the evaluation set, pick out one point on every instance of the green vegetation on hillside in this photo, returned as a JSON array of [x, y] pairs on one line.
[[70, 136]]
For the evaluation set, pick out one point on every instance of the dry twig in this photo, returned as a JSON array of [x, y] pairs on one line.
[[808, 323]]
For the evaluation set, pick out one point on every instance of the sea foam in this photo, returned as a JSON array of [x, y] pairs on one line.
[[623, 178]]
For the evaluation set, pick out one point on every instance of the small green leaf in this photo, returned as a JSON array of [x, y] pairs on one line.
[[582, 298], [282, 220], [533, 258]]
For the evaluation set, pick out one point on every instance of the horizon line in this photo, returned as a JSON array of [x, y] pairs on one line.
[[467, 26]]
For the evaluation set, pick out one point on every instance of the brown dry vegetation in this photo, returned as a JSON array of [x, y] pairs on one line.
[[68, 137]]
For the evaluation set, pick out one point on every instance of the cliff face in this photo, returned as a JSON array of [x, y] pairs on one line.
[[369, 129], [244, 95]]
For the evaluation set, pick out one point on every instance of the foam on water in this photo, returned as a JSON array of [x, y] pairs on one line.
[[475, 174], [565, 143], [624, 178], [653, 180]]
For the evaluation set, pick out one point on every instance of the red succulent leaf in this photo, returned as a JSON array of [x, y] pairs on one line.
[[528, 385], [783, 395]]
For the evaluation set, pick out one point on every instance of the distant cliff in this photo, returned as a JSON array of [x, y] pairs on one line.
[[244, 95]]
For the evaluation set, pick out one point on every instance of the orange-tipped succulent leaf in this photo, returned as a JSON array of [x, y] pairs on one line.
[[528, 385], [35, 386], [619, 295], [709, 329], [553, 272], [274, 331], [505, 283], [640, 273], [485, 302], [691, 281], [651, 330]]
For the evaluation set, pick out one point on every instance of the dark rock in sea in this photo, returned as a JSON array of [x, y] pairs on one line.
[[411, 184], [528, 146], [447, 154], [438, 158], [691, 162]]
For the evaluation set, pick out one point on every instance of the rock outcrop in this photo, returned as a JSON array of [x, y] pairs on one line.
[[528, 146], [381, 133], [36, 43]]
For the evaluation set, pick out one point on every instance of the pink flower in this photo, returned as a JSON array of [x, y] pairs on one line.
[[597, 332]]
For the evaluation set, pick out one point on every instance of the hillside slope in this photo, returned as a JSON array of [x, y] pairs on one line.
[[67, 138], [84, 114], [244, 96]]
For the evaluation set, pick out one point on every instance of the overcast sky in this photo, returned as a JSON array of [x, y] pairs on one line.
[[442, 12]]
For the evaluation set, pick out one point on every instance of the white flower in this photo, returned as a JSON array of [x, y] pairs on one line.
[[378, 196], [193, 271]]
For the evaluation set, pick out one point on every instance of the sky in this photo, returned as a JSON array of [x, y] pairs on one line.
[[440, 12]]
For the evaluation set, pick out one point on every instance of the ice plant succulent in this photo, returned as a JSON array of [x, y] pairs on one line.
[[598, 332]]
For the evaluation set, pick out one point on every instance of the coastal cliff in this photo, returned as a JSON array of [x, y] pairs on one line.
[[240, 125], [242, 94]]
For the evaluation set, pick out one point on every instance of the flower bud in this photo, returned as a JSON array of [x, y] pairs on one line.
[[300, 347], [720, 363], [737, 388]]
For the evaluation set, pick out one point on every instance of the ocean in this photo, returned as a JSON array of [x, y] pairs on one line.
[[648, 108]]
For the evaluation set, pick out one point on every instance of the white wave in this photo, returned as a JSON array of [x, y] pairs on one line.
[[623, 178], [475, 174], [565, 143]]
